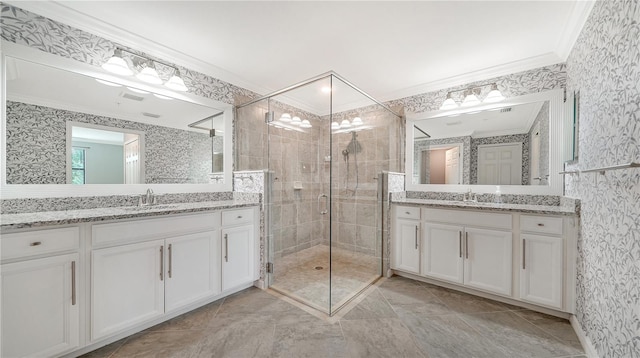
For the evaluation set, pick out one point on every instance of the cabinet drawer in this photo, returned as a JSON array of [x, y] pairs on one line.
[[235, 217], [468, 218], [40, 242], [408, 212], [146, 229], [541, 224]]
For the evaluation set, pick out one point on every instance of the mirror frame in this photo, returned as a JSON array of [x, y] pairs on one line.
[[556, 147], [18, 191]]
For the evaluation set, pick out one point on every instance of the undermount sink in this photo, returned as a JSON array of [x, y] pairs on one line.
[[151, 207]]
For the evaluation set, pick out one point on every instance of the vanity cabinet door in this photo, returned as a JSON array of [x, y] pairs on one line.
[[40, 314], [237, 256], [406, 256], [487, 264], [192, 265], [541, 269], [442, 252], [127, 286]]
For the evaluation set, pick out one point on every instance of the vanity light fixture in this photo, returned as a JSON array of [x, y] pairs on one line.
[[356, 121], [296, 121], [285, 118], [471, 96], [335, 125], [146, 69], [345, 124]]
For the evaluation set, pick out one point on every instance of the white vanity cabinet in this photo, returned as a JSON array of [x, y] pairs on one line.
[[133, 283], [542, 260], [238, 248], [476, 252], [518, 257], [40, 292], [406, 253]]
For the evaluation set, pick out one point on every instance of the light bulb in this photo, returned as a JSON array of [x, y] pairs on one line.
[[286, 117], [449, 103], [296, 121], [176, 83], [357, 121], [305, 124], [335, 125], [345, 124], [117, 65], [149, 75], [470, 100], [494, 95]]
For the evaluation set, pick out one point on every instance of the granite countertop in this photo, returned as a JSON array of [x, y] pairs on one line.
[[524, 208], [44, 218]]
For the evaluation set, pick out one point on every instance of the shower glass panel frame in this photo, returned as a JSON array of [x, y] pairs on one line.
[[323, 202]]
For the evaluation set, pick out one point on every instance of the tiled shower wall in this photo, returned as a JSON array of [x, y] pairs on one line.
[[604, 66]]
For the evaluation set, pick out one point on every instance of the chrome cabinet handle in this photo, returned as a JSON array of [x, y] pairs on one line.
[[524, 252], [170, 259], [416, 237], [326, 204], [73, 283], [460, 243], [226, 247], [540, 224], [36, 243], [466, 244], [161, 262], [239, 217]]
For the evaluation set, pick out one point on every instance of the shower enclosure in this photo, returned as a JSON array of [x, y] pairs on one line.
[[324, 143]]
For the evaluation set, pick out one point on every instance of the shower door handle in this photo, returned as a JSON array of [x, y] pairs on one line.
[[326, 204]]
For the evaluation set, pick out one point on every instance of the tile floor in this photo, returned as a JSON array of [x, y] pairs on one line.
[[296, 276], [398, 318]]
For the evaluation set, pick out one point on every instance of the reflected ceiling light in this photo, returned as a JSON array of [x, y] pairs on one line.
[[345, 124], [305, 124], [149, 75], [449, 103], [495, 95], [162, 97], [296, 120], [357, 121], [133, 89], [116, 64], [147, 69], [470, 99], [112, 84], [335, 125], [176, 83], [287, 129], [326, 89], [471, 96], [286, 118]]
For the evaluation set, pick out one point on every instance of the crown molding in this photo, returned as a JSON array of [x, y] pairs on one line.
[[61, 13], [573, 27], [480, 75]]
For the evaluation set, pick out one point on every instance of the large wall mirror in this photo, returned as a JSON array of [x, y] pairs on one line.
[[76, 127], [516, 144]]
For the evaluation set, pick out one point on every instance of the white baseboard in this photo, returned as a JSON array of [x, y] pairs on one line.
[[589, 349]]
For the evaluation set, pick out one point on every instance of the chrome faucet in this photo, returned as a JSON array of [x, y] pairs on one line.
[[469, 196], [147, 199]]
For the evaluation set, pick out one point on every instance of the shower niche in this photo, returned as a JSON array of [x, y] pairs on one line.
[[324, 143]]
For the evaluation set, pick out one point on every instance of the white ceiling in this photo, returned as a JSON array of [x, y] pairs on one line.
[[389, 49]]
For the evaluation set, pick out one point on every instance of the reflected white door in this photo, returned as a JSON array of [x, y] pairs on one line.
[[132, 162], [452, 166], [500, 164]]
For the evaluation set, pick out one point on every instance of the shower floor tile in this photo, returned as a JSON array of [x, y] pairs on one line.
[[304, 276]]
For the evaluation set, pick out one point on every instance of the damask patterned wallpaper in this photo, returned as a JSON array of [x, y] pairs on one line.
[[36, 147], [604, 66]]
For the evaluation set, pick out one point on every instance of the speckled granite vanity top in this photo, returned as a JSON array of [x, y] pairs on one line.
[[43, 218], [524, 208]]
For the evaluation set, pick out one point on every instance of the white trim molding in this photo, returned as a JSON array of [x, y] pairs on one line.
[[589, 349]]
